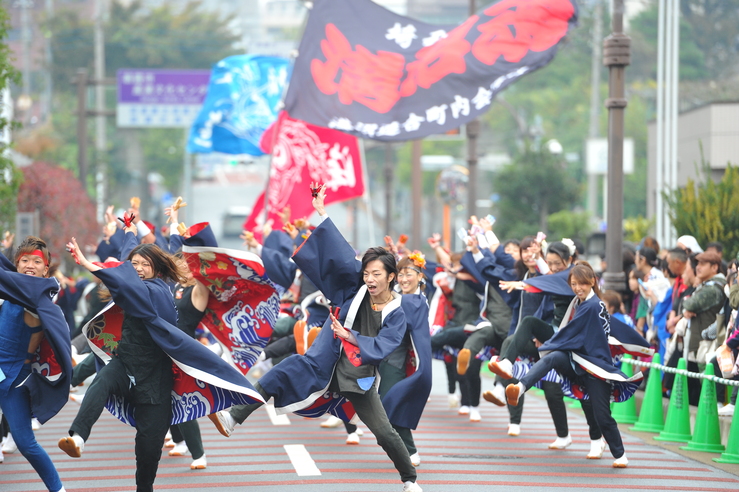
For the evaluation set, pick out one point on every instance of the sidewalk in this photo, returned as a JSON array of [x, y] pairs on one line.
[[706, 458]]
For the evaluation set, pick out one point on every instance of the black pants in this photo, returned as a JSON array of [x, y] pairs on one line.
[[370, 411], [514, 412], [484, 337], [281, 347], [83, 370], [389, 377], [599, 391], [152, 421], [470, 383], [521, 344], [451, 376], [190, 433], [454, 336]]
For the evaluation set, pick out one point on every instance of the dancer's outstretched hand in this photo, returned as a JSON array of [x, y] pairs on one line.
[[318, 190], [79, 257]]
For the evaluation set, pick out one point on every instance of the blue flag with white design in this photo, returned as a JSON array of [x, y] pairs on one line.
[[243, 97]]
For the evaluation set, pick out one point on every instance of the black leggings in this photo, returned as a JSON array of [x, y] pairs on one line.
[[190, 433], [599, 410], [521, 343], [529, 327], [470, 383], [152, 420]]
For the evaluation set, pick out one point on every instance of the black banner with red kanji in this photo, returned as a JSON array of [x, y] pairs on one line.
[[367, 71]]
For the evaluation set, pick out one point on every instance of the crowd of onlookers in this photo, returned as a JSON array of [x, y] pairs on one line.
[[684, 301]]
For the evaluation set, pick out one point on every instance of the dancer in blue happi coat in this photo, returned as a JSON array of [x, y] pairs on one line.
[[405, 382], [580, 352], [138, 381], [343, 359], [35, 354]]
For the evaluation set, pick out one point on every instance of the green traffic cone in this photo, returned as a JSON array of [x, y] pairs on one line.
[[732, 445], [707, 433], [625, 411], [677, 426], [651, 418]]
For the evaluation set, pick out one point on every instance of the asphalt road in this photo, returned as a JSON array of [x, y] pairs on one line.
[[457, 455]]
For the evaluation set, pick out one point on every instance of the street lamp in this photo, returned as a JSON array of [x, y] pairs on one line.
[[616, 56]]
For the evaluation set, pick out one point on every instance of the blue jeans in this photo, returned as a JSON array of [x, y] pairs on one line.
[[16, 406]]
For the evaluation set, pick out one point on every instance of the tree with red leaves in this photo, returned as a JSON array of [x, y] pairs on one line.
[[64, 208]]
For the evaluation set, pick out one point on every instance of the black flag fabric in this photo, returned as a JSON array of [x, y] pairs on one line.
[[367, 71]]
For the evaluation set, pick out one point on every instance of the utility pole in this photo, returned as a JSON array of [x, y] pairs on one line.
[[616, 56], [49, 89], [101, 142], [81, 80], [25, 5], [593, 131], [473, 131]]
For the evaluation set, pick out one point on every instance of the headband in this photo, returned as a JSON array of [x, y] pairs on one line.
[[39, 253]]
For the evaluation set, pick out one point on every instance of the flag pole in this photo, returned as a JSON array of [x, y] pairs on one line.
[[281, 107], [366, 195]]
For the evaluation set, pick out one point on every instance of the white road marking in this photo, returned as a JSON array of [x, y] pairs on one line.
[[301, 460], [276, 419]]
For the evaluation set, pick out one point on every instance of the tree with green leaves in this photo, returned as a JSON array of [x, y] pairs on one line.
[[141, 37], [10, 177], [532, 187], [136, 36], [706, 209]]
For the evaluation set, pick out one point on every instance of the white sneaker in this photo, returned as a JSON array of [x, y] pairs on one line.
[[72, 445], [514, 430], [453, 400], [35, 424], [411, 487], [168, 436], [352, 439], [561, 442], [726, 411], [169, 443], [475, 415], [223, 422], [179, 449], [596, 449], [415, 459], [77, 398], [9, 446], [2, 458], [513, 392], [360, 432], [621, 462], [501, 367], [464, 410], [331, 422], [497, 396], [199, 464]]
